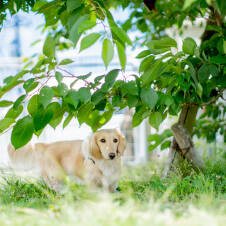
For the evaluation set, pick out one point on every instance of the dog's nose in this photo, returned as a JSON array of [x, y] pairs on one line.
[[111, 155]]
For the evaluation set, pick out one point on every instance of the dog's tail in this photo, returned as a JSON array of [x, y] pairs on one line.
[[26, 157]]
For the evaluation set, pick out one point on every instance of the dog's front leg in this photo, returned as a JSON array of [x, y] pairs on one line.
[[109, 187], [51, 181], [105, 184]]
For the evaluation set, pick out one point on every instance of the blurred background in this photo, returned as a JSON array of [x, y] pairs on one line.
[[18, 42]]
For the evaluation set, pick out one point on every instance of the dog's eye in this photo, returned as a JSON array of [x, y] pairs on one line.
[[115, 140], [103, 140]]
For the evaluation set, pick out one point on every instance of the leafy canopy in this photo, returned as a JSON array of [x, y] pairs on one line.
[[168, 78]]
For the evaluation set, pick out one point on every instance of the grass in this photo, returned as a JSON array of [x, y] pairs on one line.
[[144, 198]]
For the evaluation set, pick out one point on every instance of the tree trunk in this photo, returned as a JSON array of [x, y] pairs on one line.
[[182, 145], [186, 145], [182, 138]]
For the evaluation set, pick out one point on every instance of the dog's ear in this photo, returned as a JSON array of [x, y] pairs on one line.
[[122, 143], [94, 148], [90, 148]]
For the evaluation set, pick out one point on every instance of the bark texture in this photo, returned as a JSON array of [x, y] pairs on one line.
[[182, 145], [186, 145]]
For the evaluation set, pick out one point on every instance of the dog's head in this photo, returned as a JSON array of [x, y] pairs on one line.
[[104, 144]]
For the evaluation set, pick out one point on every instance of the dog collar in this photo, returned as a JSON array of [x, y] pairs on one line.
[[91, 160]]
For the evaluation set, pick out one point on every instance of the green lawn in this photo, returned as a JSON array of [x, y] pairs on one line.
[[144, 198]]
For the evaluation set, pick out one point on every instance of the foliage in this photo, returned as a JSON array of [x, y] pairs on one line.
[[168, 78]]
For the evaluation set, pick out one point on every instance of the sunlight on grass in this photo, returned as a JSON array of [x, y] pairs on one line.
[[144, 198]]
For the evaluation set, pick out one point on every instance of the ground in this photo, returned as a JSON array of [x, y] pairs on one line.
[[143, 198]]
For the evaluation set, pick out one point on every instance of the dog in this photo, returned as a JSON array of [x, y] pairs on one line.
[[96, 160]]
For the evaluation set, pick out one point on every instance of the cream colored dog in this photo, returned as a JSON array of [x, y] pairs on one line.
[[96, 160]]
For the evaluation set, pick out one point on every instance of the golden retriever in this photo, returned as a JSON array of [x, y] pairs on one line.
[[96, 160]]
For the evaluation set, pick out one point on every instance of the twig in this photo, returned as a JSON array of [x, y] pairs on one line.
[[207, 103], [67, 72], [215, 99]]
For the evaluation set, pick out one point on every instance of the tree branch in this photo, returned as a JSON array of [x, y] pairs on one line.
[[215, 99], [220, 94]]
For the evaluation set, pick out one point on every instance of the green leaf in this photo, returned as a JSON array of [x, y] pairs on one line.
[[32, 87], [116, 101], [49, 47], [107, 52], [189, 46], [52, 66], [149, 97], [161, 98], [19, 101], [74, 16], [181, 19], [42, 117], [130, 88], [12, 113], [102, 120], [155, 69], [59, 111], [62, 89], [86, 25], [6, 123], [188, 3], [222, 7], [143, 54], [22, 132], [213, 28], [101, 105], [224, 46], [110, 79], [14, 80], [73, 4], [121, 54], [66, 62], [84, 94], [27, 85], [92, 117], [199, 90], [59, 77], [56, 120], [8, 80], [138, 116], [192, 71], [145, 63], [165, 145], [218, 60], [132, 101], [73, 98], [5, 103], [151, 47], [84, 77], [120, 33], [203, 73], [74, 33], [155, 119], [67, 120], [33, 104], [84, 112], [39, 65], [89, 40], [46, 96], [150, 73], [98, 96], [213, 70], [165, 42]]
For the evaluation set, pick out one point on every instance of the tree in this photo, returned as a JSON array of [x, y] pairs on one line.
[[169, 81]]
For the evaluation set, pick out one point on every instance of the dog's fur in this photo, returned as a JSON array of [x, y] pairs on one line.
[[89, 160]]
